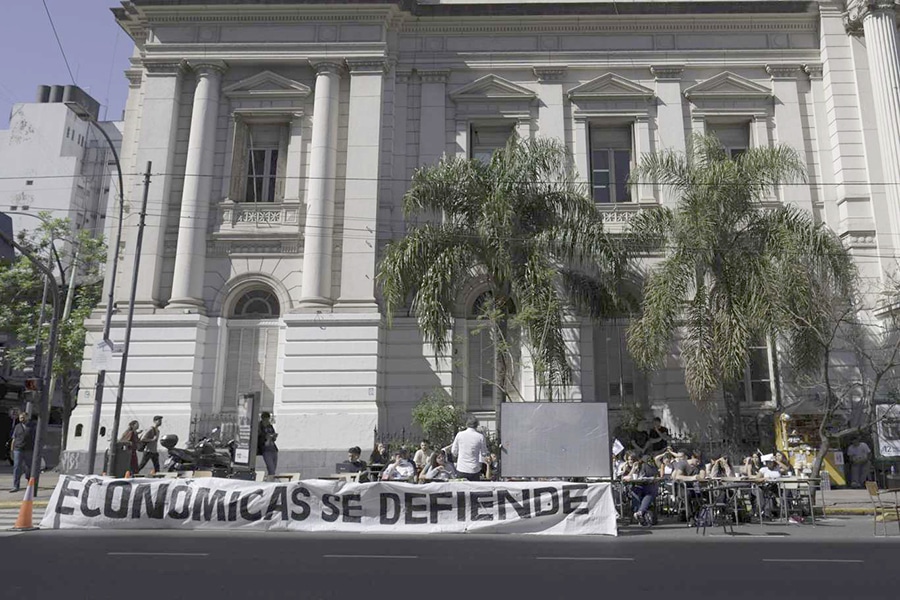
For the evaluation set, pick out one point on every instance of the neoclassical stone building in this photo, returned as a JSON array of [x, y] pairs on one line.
[[282, 136]]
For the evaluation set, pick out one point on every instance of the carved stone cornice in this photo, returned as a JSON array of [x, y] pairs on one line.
[[667, 72], [403, 76], [433, 75], [135, 76], [164, 68], [813, 70], [550, 73], [208, 66], [330, 66], [858, 10], [784, 71], [368, 65]]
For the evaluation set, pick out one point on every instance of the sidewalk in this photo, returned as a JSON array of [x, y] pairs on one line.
[[837, 502]]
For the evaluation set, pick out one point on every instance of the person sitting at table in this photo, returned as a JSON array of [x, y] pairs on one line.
[[400, 468], [626, 466], [719, 467], [439, 468], [643, 494], [665, 461], [751, 465], [689, 468], [380, 455], [783, 464], [767, 492]]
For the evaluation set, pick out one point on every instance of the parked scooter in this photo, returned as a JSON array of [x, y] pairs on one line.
[[206, 455]]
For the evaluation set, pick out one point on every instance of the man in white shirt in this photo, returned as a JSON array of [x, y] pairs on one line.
[[422, 455], [858, 453], [470, 449]]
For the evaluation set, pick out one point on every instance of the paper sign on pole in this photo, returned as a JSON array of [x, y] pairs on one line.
[[888, 431], [102, 355]]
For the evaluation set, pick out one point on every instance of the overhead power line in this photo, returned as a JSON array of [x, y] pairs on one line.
[[58, 42]]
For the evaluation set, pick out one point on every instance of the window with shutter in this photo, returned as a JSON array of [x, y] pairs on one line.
[[611, 151]]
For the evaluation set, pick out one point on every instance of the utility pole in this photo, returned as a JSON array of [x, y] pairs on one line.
[[67, 310], [123, 369], [44, 405]]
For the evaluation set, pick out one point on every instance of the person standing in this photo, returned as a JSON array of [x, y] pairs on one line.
[[150, 443], [859, 453], [470, 449], [265, 443], [23, 449], [132, 439]]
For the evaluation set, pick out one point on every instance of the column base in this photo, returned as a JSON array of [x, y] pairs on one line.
[[186, 305], [315, 303], [356, 306]]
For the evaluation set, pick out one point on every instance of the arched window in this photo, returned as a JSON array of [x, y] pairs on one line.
[[78, 429], [257, 304]]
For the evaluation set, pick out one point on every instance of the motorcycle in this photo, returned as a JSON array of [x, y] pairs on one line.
[[207, 454]]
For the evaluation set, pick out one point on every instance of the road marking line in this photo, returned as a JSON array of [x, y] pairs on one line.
[[814, 560], [368, 556], [610, 558], [157, 554]]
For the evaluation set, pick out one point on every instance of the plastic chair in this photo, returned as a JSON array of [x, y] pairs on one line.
[[882, 508]]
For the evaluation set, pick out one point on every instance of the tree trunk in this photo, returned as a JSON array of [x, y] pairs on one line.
[[824, 447], [502, 370]]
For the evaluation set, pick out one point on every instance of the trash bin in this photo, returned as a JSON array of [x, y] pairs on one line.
[[122, 463]]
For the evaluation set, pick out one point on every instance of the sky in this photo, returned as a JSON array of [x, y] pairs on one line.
[[96, 47]]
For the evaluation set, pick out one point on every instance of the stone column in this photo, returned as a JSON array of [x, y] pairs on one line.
[[156, 143], [789, 127], [551, 115], [361, 197], [190, 253], [669, 111], [433, 116], [317, 247], [879, 26]]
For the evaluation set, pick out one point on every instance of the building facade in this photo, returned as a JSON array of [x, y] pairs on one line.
[[282, 136], [53, 161]]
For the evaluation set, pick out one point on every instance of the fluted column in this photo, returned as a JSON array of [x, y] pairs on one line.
[[317, 250], [190, 253], [879, 26]]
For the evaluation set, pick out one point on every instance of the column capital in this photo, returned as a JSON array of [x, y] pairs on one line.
[[433, 75], [359, 66], [667, 72], [549, 73], [206, 67], [327, 66], [814, 70], [784, 71], [164, 68], [858, 10]]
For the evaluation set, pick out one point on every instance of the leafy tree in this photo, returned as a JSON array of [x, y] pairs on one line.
[[439, 418], [524, 225], [734, 268], [21, 291]]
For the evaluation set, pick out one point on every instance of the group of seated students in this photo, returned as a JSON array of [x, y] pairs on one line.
[[426, 465], [644, 471]]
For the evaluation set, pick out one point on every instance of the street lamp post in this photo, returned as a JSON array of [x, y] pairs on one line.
[[107, 322]]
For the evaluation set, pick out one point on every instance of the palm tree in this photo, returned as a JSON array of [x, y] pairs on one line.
[[521, 223], [734, 269]]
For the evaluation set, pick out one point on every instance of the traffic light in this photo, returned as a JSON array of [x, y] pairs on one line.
[[32, 369]]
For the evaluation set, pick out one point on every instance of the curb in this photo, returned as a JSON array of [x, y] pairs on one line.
[[37, 504], [850, 510]]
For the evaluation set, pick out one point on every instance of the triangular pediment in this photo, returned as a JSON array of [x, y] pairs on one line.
[[727, 85], [267, 85], [492, 88], [611, 87]]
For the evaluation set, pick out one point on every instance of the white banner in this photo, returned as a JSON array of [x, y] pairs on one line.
[[552, 507], [888, 430]]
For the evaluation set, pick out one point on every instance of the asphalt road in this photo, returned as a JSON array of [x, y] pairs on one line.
[[639, 564]]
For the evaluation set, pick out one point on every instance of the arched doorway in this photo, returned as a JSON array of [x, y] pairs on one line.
[[252, 348]]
